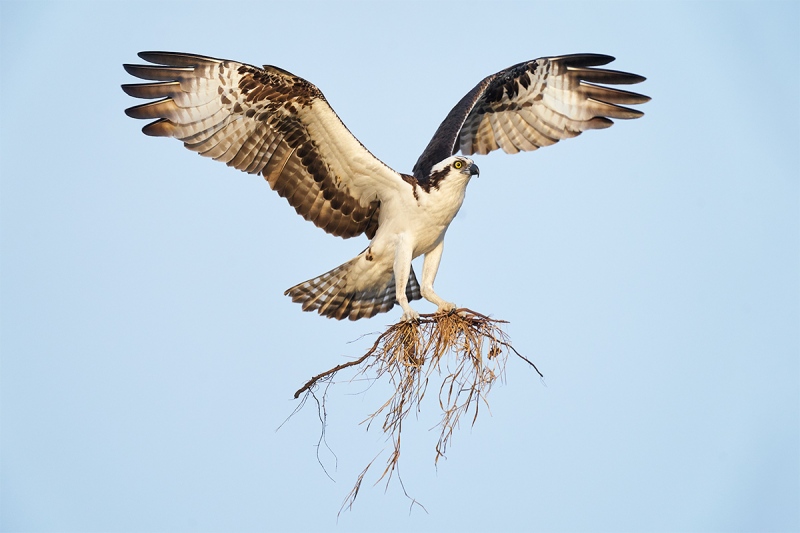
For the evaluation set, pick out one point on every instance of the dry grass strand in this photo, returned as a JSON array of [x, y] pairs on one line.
[[468, 349]]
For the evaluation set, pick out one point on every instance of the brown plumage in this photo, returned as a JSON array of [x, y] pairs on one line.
[[248, 118], [533, 104]]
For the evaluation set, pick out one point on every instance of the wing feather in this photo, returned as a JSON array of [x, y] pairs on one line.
[[501, 134], [267, 121], [524, 133], [533, 104]]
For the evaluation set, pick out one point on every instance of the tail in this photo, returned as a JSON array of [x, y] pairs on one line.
[[349, 292]]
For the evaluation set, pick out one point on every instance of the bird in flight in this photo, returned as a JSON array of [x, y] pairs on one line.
[[268, 121]]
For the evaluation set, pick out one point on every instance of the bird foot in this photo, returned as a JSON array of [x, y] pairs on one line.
[[446, 308], [409, 315]]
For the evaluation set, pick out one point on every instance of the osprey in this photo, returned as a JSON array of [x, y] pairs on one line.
[[268, 121]]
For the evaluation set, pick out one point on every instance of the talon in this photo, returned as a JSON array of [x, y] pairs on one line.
[[447, 307], [410, 316]]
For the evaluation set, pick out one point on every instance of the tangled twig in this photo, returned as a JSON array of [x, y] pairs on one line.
[[409, 353]]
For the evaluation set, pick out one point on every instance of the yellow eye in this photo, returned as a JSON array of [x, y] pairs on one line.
[[458, 164]]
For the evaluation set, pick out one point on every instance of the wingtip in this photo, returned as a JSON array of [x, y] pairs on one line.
[[130, 90], [153, 56], [176, 59], [145, 111], [159, 128], [584, 60], [636, 78]]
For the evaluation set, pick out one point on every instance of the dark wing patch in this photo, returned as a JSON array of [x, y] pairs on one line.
[[258, 121], [533, 104]]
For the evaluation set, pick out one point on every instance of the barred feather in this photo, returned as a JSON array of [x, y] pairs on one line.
[[328, 294], [533, 104], [267, 121]]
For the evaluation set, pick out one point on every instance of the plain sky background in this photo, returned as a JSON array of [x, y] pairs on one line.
[[652, 271]]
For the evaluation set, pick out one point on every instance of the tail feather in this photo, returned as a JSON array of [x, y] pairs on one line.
[[328, 294]]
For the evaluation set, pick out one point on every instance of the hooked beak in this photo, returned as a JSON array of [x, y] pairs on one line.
[[473, 170]]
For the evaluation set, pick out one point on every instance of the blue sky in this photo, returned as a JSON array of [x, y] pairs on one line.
[[652, 271]]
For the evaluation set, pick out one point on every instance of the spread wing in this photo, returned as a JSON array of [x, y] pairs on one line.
[[533, 104], [266, 121]]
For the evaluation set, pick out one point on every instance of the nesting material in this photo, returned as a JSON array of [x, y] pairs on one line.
[[467, 350]]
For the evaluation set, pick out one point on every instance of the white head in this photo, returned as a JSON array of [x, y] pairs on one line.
[[456, 165]]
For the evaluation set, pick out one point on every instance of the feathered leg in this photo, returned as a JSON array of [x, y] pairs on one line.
[[402, 268], [429, 269]]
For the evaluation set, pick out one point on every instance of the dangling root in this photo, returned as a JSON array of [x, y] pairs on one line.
[[479, 348]]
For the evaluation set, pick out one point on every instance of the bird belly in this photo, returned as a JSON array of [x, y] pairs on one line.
[[418, 222]]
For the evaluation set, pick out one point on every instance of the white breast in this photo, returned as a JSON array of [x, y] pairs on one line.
[[422, 218]]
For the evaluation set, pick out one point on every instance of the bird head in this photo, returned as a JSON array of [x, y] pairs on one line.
[[457, 165]]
